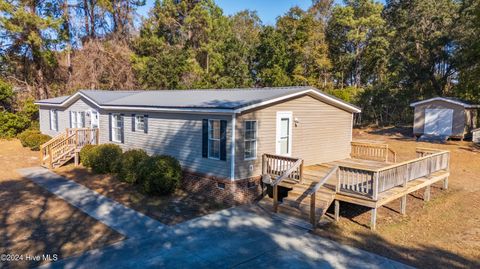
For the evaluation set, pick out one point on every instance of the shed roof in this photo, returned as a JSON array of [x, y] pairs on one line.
[[233, 100], [453, 100]]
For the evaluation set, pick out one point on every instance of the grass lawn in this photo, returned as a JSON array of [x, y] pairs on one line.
[[442, 233], [170, 210], [34, 222]]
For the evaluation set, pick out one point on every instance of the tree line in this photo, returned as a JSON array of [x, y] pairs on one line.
[[378, 56]]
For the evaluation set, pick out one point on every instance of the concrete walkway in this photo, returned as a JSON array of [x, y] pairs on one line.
[[124, 220], [239, 237]]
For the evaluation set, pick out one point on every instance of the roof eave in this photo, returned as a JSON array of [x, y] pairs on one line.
[[338, 103]]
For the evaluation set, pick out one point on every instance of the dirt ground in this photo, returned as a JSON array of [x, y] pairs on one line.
[[442, 233], [169, 210], [34, 221]]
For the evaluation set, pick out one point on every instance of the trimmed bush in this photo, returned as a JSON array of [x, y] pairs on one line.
[[160, 174], [86, 155], [103, 158], [34, 141], [23, 135], [128, 166]]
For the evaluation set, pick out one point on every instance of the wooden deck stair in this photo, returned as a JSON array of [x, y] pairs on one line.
[[298, 201], [65, 146], [310, 193]]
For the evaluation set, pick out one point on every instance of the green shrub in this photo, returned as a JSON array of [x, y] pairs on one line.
[[104, 157], [35, 140], [160, 174], [86, 155], [23, 135], [128, 166], [12, 124]]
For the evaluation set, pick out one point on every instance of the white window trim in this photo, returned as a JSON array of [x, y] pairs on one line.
[[245, 140], [113, 127], [53, 124], [93, 111], [213, 139], [280, 115], [137, 122], [75, 115]]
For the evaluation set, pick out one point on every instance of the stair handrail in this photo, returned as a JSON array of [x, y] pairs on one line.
[[313, 191], [287, 172], [53, 140], [59, 147], [280, 178], [323, 180]]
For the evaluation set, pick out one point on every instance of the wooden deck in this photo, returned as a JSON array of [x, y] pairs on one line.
[[371, 182]]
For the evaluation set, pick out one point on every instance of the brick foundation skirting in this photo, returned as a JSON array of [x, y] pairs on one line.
[[236, 192]]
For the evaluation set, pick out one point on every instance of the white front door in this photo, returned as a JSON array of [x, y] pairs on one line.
[[284, 133], [438, 121]]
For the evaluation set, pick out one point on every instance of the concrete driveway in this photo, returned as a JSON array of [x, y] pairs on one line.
[[242, 237]]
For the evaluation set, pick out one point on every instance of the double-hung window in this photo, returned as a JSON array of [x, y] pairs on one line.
[[140, 122], [53, 120], [77, 119], [250, 140], [214, 139], [117, 128]]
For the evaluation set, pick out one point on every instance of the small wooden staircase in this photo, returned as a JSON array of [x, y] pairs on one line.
[[309, 194], [65, 146]]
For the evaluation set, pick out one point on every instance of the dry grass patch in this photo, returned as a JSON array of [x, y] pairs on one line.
[[33, 221]]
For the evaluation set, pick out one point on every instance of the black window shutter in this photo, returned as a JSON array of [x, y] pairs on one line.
[[123, 125], [205, 138], [145, 120], [223, 140], [110, 126], [133, 122]]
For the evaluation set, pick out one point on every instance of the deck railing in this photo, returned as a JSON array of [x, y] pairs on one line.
[[373, 152], [281, 168], [370, 182], [70, 140]]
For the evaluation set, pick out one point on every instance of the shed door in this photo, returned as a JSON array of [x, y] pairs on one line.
[[438, 121]]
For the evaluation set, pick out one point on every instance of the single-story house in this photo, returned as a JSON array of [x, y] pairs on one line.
[[219, 135], [444, 116]]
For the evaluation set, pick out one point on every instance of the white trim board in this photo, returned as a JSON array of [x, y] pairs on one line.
[[445, 100]]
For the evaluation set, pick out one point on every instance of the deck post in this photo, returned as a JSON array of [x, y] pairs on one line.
[[76, 158], [275, 198], [445, 183], [426, 195], [373, 220], [312, 210], [337, 210], [301, 173], [403, 205], [375, 186]]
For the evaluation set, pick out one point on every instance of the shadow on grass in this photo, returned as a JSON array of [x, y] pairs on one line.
[[35, 222], [422, 256]]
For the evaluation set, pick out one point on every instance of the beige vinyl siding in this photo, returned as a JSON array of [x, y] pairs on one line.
[[459, 116], [323, 134], [175, 134]]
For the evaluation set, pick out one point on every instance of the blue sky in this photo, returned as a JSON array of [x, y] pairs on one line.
[[268, 10]]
